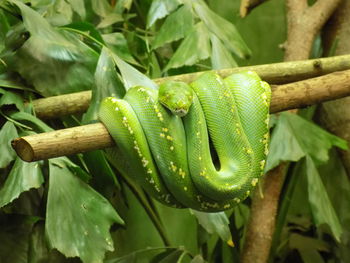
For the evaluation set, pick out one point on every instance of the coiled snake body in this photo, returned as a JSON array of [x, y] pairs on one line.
[[170, 156]]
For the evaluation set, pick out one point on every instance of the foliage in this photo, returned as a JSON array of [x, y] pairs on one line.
[[77, 208]]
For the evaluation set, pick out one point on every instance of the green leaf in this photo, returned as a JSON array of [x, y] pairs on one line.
[[38, 251], [295, 137], [223, 29], [78, 218], [308, 248], [86, 28], [79, 7], [215, 223], [119, 45], [23, 177], [9, 81], [14, 233], [107, 83], [59, 13], [60, 57], [159, 9], [176, 26], [198, 259], [220, 56], [109, 20], [10, 98], [321, 207], [27, 118], [8, 132], [101, 7], [122, 5], [194, 47], [131, 76]]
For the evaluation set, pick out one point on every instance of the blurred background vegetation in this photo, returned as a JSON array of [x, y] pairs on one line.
[[78, 208]]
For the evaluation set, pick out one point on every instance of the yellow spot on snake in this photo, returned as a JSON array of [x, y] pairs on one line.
[[144, 162], [185, 188], [227, 206], [116, 109], [237, 200], [169, 138], [171, 148], [182, 173], [247, 193], [254, 181], [200, 158], [165, 129], [162, 135], [173, 166], [149, 171], [238, 131], [262, 164]]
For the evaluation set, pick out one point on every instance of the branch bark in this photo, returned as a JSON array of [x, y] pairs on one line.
[[304, 23], [95, 136], [277, 73]]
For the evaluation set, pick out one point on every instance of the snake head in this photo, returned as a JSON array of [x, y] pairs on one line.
[[176, 96]]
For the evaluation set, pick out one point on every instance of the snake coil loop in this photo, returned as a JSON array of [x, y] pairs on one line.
[[170, 156]]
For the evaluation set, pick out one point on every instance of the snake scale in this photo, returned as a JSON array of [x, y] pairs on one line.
[[165, 139]]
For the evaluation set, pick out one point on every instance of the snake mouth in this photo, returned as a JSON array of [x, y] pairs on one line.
[[180, 112]]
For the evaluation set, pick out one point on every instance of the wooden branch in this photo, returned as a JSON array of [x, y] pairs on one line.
[[277, 73], [62, 142], [95, 136], [304, 23]]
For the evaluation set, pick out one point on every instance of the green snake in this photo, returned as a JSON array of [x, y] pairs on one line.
[[165, 139]]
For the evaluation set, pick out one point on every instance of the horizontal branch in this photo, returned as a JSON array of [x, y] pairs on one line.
[[277, 73], [95, 136]]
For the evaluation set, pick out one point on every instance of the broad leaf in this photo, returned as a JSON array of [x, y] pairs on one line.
[[223, 29], [85, 27], [176, 26], [26, 118], [215, 223], [9, 98], [11, 82], [288, 143], [110, 20], [23, 177], [14, 233], [60, 58], [122, 5], [59, 13], [8, 132], [160, 8], [194, 47], [220, 56], [107, 83], [118, 44], [321, 207], [79, 7], [131, 76], [101, 7], [78, 219]]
